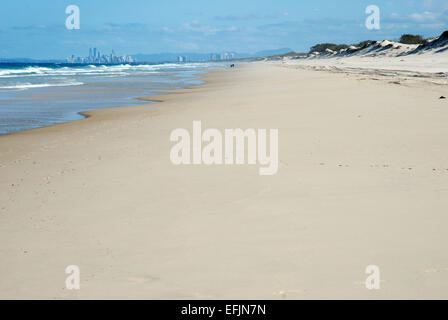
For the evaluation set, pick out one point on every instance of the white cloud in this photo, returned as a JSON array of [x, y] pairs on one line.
[[207, 30], [426, 19]]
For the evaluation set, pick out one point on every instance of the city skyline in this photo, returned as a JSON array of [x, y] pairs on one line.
[[95, 57], [224, 56]]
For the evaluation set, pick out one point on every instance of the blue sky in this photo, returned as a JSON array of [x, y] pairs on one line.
[[36, 29]]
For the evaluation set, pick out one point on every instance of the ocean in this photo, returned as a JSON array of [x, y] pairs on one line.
[[38, 95]]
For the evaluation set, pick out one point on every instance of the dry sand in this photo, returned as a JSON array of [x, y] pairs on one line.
[[363, 180], [428, 63]]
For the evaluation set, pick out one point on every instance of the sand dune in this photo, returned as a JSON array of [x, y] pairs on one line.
[[430, 57], [388, 48]]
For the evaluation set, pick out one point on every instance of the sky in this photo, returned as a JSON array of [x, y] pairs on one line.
[[37, 29]]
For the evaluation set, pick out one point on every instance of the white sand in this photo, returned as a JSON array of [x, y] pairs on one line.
[[363, 180]]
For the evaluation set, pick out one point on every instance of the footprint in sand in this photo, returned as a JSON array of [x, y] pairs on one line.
[[379, 166], [143, 279], [363, 283], [283, 164], [284, 293]]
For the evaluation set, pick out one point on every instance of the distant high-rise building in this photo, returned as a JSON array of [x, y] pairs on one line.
[[225, 56], [215, 57], [96, 57]]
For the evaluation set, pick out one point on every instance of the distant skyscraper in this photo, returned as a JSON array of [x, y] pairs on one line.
[[96, 57]]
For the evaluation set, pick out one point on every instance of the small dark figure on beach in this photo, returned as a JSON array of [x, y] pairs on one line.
[[442, 97], [232, 66]]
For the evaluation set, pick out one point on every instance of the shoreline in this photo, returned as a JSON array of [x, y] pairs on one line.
[[362, 181], [87, 114]]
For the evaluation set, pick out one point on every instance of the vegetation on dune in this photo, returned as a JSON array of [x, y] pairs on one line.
[[322, 47], [405, 39], [291, 54], [364, 44], [412, 39]]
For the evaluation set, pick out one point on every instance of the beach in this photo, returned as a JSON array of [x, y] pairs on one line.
[[362, 180]]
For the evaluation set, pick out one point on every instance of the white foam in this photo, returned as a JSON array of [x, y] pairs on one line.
[[39, 77], [41, 85]]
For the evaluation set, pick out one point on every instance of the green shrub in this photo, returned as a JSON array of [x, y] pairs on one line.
[[324, 46], [412, 39]]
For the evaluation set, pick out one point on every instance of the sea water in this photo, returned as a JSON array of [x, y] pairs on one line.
[[38, 95]]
